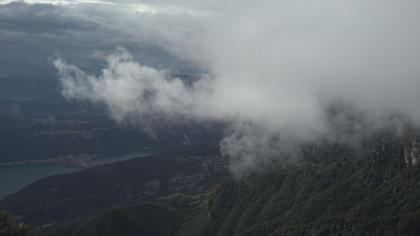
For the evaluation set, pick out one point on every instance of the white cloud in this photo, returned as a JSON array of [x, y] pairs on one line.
[[274, 66], [130, 90]]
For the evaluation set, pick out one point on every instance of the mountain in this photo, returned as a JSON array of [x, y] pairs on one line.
[[371, 189], [336, 198], [179, 175]]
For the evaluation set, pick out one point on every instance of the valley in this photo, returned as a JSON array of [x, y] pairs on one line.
[[333, 189]]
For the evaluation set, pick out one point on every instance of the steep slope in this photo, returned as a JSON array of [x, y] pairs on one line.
[[336, 189], [145, 219], [370, 192], [8, 227]]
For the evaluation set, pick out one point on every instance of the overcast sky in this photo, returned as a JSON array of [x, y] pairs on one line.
[[33, 32], [268, 68]]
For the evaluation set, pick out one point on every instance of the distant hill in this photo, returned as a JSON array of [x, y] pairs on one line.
[[54, 136]]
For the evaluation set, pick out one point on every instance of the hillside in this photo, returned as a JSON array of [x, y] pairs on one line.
[[370, 192], [145, 219], [186, 173], [336, 189], [9, 227]]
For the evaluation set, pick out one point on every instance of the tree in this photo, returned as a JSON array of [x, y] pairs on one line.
[[8, 227]]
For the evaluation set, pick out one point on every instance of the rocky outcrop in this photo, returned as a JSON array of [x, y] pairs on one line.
[[412, 152]]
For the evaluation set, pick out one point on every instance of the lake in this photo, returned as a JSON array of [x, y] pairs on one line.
[[15, 177]]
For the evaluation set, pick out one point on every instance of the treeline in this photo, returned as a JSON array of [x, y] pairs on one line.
[[8, 227]]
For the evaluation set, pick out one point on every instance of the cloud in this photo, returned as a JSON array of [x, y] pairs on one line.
[[272, 71], [31, 34], [47, 19], [130, 90]]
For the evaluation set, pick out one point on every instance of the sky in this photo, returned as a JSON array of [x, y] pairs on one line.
[[269, 69]]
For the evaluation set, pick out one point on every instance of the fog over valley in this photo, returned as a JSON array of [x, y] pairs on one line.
[[268, 70], [209, 117]]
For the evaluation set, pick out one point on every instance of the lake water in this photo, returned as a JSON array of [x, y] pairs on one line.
[[15, 177]]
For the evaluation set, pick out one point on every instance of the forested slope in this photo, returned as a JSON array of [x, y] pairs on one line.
[[368, 192]]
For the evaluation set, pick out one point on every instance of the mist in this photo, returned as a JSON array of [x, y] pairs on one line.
[[270, 70]]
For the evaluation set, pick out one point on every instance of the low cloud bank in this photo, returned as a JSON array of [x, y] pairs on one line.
[[273, 72]]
